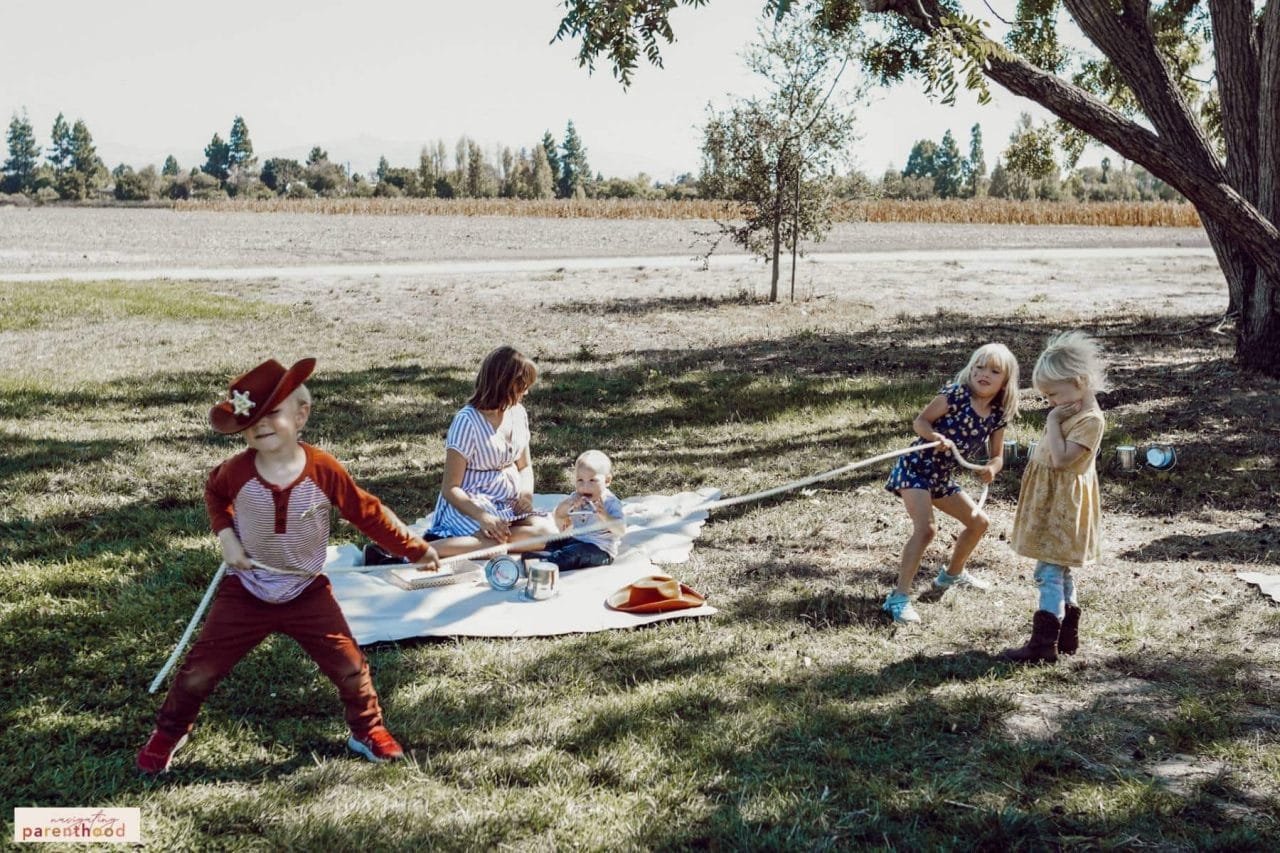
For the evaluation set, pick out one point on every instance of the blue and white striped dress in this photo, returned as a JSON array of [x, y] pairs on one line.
[[491, 479]]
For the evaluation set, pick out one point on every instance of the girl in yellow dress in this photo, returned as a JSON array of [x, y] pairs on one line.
[[1057, 523]]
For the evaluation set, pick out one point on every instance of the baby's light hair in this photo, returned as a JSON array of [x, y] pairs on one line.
[[1072, 357], [302, 394], [1008, 364], [597, 461]]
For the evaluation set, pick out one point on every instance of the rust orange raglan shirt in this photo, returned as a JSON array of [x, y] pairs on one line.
[[288, 527]]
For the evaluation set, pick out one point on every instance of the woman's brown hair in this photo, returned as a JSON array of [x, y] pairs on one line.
[[503, 375]]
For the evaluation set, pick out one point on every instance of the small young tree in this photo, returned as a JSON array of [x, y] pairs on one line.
[[776, 153], [170, 167], [24, 155]]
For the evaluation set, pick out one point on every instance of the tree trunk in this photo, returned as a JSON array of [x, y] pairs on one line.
[[795, 232], [777, 247]]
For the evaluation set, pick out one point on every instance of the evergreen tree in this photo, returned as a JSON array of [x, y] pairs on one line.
[[84, 156], [60, 145], [24, 155], [552, 153], [574, 171], [317, 155], [383, 166], [975, 167], [544, 182], [920, 161], [170, 167], [947, 166], [217, 158], [279, 172], [999, 181], [240, 148]]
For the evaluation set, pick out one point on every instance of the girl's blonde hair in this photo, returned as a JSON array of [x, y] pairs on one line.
[[1003, 358], [1072, 357]]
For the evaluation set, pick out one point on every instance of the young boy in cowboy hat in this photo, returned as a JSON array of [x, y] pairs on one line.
[[269, 506]]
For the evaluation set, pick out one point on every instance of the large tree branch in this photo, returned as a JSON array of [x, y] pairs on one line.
[[1126, 39]]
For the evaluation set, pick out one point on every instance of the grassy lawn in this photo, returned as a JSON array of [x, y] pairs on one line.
[[796, 718]]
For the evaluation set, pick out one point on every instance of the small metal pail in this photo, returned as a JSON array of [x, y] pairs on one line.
[[1161, 457], [544, 577], [1010, 450], [1127, 457]]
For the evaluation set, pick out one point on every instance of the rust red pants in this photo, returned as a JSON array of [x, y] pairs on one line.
[[238, 621]]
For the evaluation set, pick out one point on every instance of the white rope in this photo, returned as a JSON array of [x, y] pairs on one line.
[[191, 626], [705, 506]]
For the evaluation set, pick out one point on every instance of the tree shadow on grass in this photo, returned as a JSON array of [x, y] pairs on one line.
[[1260, 545]]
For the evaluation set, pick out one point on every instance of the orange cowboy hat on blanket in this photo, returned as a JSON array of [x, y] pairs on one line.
[[655, 594]]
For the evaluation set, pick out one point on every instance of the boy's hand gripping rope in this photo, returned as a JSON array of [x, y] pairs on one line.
[[523, 544]]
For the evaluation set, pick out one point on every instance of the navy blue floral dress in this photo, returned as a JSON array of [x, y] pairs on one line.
[[969, 430]]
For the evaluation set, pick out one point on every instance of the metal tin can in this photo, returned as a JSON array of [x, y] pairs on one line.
[[1010, 450], [1127, 456], [544, 577]]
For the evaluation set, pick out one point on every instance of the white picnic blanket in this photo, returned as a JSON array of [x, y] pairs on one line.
[[1269, 584], [658, 533]]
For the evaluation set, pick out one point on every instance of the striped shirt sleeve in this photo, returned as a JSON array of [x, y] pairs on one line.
[[464, 433], [221, 488]]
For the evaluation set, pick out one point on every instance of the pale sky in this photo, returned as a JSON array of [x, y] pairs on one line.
[[154, 77]]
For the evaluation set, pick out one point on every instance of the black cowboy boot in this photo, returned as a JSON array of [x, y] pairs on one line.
[[1043, 645], [1069, 636]]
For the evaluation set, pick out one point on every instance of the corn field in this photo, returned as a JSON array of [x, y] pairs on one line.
[[987, 211]]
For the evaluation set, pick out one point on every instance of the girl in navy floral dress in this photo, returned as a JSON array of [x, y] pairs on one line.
[[969, 414]]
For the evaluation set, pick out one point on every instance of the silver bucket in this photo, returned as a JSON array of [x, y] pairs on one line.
[[544, 578], [1127, 457]]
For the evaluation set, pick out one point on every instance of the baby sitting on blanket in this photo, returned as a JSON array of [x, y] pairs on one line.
[[591, 502]]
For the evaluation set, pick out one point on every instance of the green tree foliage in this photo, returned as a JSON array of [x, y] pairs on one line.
[[170, 167], [60, 145], [317, 155], [240, 147], [948, 168], [975, 166], [543, 182], [279, 172], [1033, 170], [217, 158], [134, 186], [552, 152], [920, 162], [24, 155], [575, 173], [999, 187]]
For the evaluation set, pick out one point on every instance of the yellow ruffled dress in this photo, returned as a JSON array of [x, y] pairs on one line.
[[1059, 516]]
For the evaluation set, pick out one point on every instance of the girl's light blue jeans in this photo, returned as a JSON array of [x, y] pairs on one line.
[[1057, 588]]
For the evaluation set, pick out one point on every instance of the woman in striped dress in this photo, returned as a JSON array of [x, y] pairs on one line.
[[486, 495]]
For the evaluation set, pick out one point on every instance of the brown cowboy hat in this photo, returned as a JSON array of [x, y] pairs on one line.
[[655, 594], [253, 394]]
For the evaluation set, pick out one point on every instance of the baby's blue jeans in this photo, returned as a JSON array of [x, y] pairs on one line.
[[1057, 588]]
